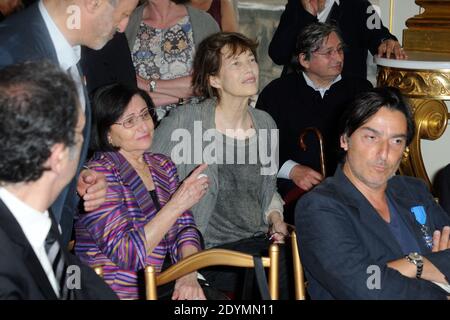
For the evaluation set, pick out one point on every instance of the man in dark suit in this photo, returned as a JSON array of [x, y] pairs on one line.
[[360, 26], [53, 30], [40, 141], [366, 233]]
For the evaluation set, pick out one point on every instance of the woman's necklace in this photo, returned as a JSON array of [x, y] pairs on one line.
[[142, 170]]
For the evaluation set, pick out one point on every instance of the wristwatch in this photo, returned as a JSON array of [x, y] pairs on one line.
[[152, 86], [416, 259]]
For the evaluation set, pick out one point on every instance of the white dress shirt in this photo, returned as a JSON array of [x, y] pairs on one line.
[[35, 225], [323, 15], [289, 164], [322, 90], [68, 56]]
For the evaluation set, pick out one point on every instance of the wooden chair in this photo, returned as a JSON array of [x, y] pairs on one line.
[[299, 277], [212, 257]]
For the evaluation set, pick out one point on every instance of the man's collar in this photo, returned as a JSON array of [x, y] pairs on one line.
[[35, 224], [68, 56], [322, 90], [323, 15], [347, 191], [350, 193]]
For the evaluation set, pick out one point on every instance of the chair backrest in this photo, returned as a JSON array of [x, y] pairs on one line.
[[212, 257], [299, 278]]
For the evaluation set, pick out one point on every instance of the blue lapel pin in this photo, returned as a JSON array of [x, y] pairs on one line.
[[421, 217], [419, 214]]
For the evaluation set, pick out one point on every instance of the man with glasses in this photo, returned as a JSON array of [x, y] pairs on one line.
[[314, 96], [361, 28]]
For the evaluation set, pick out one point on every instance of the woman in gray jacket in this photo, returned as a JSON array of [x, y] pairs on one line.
[[163, 36], [239, 144]]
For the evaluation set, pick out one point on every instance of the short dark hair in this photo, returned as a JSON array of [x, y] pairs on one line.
[[208, 59], [311, 38], [366, 104], [109, 104], [39, 108]]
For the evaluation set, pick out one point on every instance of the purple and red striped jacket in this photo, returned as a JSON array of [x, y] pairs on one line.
[[113, 237]]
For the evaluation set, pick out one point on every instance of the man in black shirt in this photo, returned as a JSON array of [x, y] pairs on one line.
[[314, 96], [360, 26]]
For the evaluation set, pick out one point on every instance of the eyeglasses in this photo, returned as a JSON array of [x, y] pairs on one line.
[[330, 52], [130, 122]]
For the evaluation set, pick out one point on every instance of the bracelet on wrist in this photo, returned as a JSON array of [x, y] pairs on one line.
[[152, 86]]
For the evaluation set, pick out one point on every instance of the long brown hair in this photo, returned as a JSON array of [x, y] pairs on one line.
[[208, 59]]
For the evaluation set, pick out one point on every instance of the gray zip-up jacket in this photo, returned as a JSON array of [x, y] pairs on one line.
[[192, 117]]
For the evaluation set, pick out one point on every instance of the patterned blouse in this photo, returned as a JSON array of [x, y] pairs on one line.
[[164, 53], [113, 235]]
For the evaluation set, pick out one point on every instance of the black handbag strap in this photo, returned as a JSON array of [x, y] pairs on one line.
[[261, 278]]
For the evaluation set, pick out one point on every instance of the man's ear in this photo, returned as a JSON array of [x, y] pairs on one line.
[[58, 156], [302, 61], [344, 142]]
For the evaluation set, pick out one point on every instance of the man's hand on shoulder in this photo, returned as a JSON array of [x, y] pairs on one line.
[[92, 188]]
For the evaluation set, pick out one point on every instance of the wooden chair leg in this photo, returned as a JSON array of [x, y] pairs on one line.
[[150, 283]]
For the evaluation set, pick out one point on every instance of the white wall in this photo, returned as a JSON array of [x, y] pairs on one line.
[[402, 10]]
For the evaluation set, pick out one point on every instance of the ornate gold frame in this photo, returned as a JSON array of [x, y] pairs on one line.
[[425, 89], [430, 30]]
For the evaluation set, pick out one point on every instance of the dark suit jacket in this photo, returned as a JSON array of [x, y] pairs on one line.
[[111, 64], [23, 37], [350, 16], [22, 276], [442, 187], [341, 235]]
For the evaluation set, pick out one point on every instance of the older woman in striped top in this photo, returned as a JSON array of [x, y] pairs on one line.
[[146, 214]]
